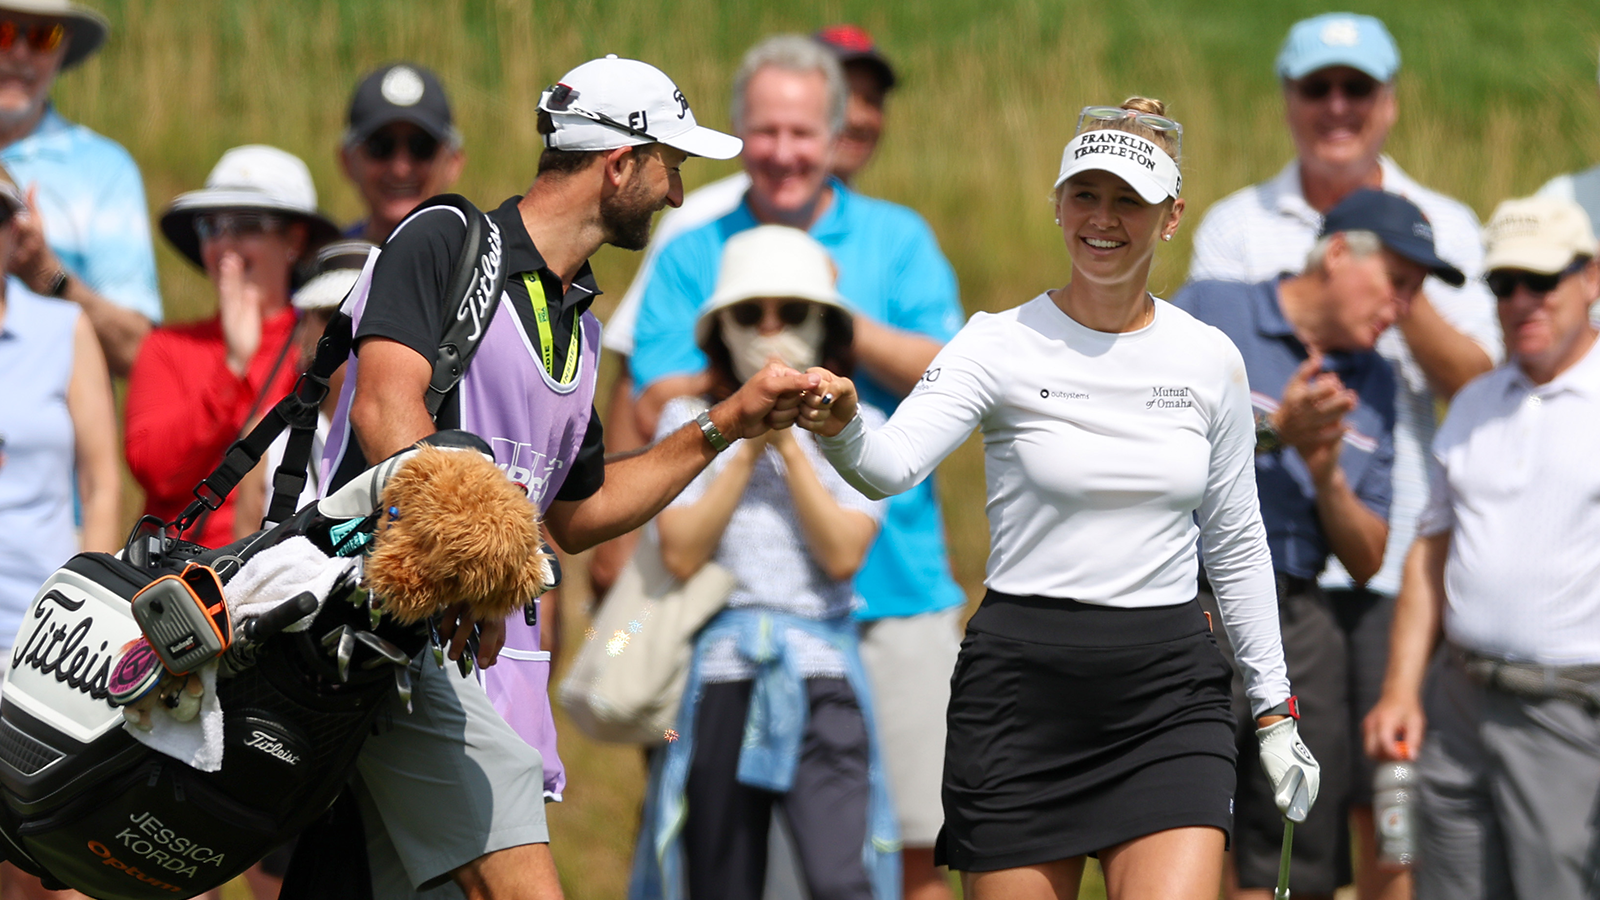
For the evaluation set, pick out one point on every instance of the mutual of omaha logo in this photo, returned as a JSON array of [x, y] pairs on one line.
[[1168, 397]]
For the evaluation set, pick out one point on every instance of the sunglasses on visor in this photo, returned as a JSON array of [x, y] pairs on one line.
[[41, 37], [1503, 282], [382, 145], [1091, 114], [791, 313]]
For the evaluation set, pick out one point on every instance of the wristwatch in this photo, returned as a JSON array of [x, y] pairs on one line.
[[713, 434], [1268, 440], [58, 283]]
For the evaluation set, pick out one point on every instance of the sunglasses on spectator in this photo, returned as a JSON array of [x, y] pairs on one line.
[[211, 226], [791, 312], [1092, 114], [1503, 282], [41, 37], [1353, 88], [382, 145]]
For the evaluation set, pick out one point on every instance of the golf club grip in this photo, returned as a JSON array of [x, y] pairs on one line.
[[280, 617]]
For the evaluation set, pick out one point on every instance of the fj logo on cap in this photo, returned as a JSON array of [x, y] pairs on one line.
[[402, 86]]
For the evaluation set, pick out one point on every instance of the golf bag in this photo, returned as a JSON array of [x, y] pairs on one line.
[[86, 805]]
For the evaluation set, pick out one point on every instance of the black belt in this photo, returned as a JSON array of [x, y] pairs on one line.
[[1576, 684]]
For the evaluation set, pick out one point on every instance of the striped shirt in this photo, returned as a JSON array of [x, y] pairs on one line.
[[1516, 488], [1267, 229]]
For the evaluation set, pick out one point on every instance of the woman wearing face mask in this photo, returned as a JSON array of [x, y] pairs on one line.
[[196, 387], [1090, 706], [776, 710]]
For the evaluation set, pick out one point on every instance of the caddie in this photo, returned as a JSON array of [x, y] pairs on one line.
[[452, 794]]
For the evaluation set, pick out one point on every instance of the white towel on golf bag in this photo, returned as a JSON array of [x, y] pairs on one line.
[[271, 577], [280, 573], [197, 742]]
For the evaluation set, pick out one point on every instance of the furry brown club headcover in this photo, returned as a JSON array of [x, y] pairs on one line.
[[464, 533]]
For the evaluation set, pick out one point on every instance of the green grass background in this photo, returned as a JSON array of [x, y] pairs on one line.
[[1495, 98]]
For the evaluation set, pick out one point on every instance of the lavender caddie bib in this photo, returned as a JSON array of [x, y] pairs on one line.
[[535, 427]]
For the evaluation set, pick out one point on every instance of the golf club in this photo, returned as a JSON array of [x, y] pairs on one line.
[[1299, 806]]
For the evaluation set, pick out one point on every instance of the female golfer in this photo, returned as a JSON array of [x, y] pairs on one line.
[[1089, 710]]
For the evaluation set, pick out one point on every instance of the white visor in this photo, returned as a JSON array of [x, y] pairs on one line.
[[1139, 161]]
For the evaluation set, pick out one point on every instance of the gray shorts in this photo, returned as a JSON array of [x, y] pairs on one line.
[[1509, 789], [909, 661], [444, 785]]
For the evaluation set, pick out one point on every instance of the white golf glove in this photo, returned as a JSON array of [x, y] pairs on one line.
[[1281, 751]]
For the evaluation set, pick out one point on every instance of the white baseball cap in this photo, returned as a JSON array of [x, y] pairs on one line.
[[771, 261], [611, 102], [1137, 160], [1537, 234]]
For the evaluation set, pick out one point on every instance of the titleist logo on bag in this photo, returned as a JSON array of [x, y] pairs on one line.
[[476, 304], [61, 659]]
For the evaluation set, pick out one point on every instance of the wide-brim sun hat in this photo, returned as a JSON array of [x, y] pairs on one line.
[[610, 102], [252, 178], [86, 29], [337, 269], [771, 261]]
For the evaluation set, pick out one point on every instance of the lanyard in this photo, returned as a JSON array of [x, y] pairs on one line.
[[541, 316]]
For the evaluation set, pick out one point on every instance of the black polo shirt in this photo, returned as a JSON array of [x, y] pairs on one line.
[[407, 304]]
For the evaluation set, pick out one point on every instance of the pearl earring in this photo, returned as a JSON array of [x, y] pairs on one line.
[[1058, 220], [1166, 237]]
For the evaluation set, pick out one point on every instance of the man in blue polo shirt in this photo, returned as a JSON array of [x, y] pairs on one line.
[[788, 105], [1324, 403]]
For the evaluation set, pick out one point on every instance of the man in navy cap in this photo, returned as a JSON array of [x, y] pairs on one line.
[[1325, 414], [1338, 74], [400, 146]]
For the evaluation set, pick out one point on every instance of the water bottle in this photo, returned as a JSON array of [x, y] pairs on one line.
[[1394, 798]]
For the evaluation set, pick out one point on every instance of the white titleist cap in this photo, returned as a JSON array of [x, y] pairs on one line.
[[609, 103], [1139, 161]]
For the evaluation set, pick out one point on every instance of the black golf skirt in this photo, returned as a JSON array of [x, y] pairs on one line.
[[1074, 728]]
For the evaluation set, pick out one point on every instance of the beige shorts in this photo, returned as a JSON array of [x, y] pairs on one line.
[[909, 661]]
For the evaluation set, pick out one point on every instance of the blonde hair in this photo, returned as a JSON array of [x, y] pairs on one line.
[[1166, 140]]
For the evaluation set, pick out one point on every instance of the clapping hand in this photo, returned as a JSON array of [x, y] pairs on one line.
[[239, 306], [32, 260], [1311, 416]]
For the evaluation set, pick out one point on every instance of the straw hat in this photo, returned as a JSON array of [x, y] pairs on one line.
[[254, 177], [86, 29]]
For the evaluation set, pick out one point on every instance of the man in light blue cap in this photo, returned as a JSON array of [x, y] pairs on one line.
[[1338, 72]]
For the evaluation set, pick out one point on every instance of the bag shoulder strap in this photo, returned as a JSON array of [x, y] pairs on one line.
[[476, 281], [475, 285]]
